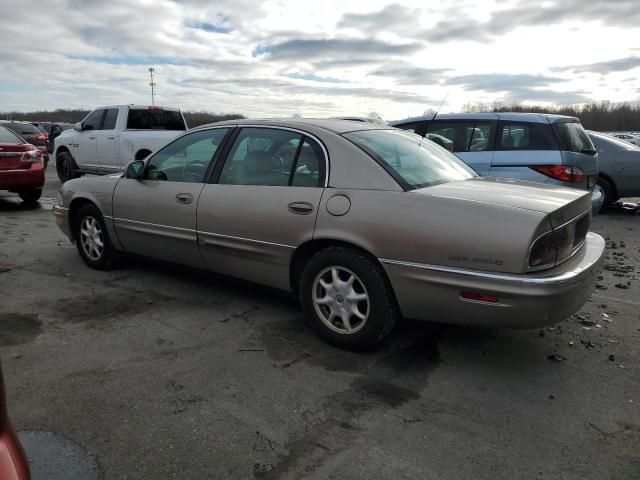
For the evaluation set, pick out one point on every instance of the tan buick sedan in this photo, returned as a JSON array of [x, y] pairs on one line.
[[366, 224]]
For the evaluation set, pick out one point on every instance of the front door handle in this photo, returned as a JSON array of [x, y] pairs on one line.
[[92, 138], [300, 208], [184, 198]]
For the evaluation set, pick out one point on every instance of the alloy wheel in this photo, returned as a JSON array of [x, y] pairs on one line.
[[341, 300], [91, 238]]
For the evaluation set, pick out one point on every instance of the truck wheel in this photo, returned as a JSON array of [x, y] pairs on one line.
[[30, 196], [92, 239], [66, 166], [347, 298]]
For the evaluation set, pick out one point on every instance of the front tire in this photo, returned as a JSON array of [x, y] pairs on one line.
[[66, 167], [30, 196], [92, 239], [347, 298]]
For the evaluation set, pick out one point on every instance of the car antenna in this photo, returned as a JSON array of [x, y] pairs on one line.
[[441, 104]]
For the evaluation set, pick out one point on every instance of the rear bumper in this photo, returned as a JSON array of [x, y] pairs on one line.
[[20, 179], [434, 293]]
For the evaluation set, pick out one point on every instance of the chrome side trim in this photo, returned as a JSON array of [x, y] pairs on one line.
[[241, 239], [168, 227]]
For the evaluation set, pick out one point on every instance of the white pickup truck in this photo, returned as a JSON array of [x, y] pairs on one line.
[[111, 137]]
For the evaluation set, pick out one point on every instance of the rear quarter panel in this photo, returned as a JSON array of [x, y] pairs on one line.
[[419, 228]]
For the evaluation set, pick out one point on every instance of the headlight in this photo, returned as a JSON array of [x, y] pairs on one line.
[[59, 199]]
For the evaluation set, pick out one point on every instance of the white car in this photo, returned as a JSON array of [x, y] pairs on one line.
[[110, 137], [627, 137]]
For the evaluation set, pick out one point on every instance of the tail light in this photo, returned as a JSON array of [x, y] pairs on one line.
[[32, 156], [564, 173], [43, 137], [154, 107], [558, 245]]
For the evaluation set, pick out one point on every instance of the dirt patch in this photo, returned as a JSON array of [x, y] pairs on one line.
[[19, 328]]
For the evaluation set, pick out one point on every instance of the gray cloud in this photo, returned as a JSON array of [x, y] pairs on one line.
[[619, 13], [392, 17], [501, 82], [334, 49], [617, 65], [408, 74]]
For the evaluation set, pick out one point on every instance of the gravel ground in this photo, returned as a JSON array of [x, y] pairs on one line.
[[154, 372]]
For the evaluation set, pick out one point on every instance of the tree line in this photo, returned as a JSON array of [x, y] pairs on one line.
[[193, 119], [600, 116]]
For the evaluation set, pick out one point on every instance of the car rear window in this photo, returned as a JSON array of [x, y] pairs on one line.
[[23, 128], [573, 137], [140, 119], [7, 136], [410, 159]]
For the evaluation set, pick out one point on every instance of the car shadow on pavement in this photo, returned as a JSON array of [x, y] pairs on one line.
[[14, 204]]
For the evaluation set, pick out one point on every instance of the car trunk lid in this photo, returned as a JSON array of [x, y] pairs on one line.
[[560, 204], [11, 155]]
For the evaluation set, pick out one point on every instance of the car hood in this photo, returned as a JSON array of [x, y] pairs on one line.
[[560, 203]]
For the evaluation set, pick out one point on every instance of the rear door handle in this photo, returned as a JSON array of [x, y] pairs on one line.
[[111, 138], [184, 198], [92, 138], [300, 208]]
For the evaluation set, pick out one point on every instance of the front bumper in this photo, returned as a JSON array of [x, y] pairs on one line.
[[22, 178], [61, 217], [434, 293]]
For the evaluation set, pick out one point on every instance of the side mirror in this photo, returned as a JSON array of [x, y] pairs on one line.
[[134, 170], [78, 127]]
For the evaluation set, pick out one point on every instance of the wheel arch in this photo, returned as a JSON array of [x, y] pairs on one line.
[[74, 206], [304, 252]]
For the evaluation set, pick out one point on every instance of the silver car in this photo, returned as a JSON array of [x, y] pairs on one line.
[[365, 223], [619, 164]]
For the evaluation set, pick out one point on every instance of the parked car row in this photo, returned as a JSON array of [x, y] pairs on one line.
[[365, 223], [31, 134]]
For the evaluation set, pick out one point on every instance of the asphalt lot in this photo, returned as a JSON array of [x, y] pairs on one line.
[[158, 372]]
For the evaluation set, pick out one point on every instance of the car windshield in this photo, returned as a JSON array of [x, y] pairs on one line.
[[573, 138], [410, 159], [7, 136]]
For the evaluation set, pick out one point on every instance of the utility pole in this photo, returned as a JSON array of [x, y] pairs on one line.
[[153, 84]]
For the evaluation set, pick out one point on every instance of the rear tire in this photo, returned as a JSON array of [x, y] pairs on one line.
[[347, 298], [30, 196], [66, 167], [608, 191], [92, 239]]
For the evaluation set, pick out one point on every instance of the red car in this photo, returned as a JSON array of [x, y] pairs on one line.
[[21, 167], [13, 462]]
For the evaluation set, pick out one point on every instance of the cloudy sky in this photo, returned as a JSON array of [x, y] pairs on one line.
[[322, 58]]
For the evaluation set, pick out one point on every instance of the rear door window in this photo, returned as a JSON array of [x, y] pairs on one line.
[[154, 119], [573, 138], [525, 136]]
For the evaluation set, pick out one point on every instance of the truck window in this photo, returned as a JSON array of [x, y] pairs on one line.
[[110, 119], [145, 119]]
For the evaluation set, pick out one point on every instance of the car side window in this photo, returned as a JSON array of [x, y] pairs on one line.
[[187, 158], [272, 157], [110, 118], [93, 121], [472, 136], [525, 136]]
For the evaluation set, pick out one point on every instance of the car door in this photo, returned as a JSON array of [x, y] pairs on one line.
[[470, 140], [106, 141], [262, 204], [155, 215], [85, 146]]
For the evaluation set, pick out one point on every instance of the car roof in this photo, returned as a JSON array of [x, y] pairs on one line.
[[133, 106], [330, 124], [510, 116]]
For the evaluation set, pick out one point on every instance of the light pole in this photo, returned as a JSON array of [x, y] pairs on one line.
[[153, 84]]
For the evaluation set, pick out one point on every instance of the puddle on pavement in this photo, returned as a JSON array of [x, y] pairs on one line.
[[19, 328], [54, 457]]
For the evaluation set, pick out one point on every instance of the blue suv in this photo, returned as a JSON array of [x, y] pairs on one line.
[[551, 149]]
